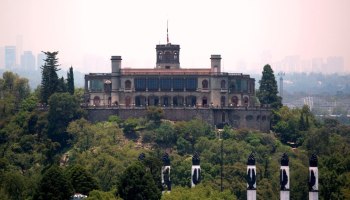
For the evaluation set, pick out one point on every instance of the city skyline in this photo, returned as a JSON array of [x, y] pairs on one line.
[[246, 34]]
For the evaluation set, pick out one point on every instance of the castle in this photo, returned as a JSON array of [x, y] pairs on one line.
[[208, 93]]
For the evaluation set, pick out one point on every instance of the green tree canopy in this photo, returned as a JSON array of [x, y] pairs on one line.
[[268, 88], [70, 81], [81, 180], [54, 186], [137, 183], [49, 78]]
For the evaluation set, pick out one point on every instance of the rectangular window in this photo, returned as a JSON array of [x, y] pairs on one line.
[[178, 84], [153, 84], [96, 85], [140, 84], [165, 84], [191, 84], [239, 85], [244, 86]]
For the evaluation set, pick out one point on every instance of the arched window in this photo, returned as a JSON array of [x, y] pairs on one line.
[[128, 85], [223, 84], [234, 100], [205, 84], [97, 101], [223, 100], [246, 101], [204, 102]]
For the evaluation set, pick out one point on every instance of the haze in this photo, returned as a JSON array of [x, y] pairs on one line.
[[247, 33]]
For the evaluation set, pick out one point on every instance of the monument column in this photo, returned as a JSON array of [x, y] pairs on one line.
[[313, 178], [251, 178], [196, 170], [165, 174], [284, 178]]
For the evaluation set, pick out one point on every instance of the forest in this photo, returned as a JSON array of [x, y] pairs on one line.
[[46, 149]]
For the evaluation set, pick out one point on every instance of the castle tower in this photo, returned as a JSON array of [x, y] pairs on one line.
[[215, 63], [116, 66], [168, 55]]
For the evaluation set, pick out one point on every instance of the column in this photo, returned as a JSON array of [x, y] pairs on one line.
[[196, 170], [313, 178], [165, 174], [284, 178], [251, 178]]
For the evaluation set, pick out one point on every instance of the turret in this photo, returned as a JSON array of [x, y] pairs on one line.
[[116, 66], [215, 63]]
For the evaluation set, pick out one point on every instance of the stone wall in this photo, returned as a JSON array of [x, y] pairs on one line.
[[252, 118]]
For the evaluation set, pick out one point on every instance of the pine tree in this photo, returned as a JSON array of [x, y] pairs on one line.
[[268, 89], [81, 180], [49, 79], [54, 185], [70, 81], [137, 183]]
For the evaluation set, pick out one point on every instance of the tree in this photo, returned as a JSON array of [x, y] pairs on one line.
[[54, 186], [70, 81], [268, 88], [137, 183], [81, 180], [155, 114], [63, 108], [49, 78]]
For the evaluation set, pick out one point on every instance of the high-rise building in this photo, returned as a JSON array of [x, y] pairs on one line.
[[40, 60], [10, 57], [27, 61]]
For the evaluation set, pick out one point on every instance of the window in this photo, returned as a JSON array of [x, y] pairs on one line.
[[223, 84], [97, 100], [165, 84], [223, 100], [246, 101], [128, 85], [178, 84], [205, 84], [204, 102], [96, 85], [191, 84], [234, 100], [140, 84], [153, 84]]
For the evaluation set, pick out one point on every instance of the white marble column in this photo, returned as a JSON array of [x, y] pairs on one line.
[[196, 170], [251, 178], [313, 178], [284, 178]]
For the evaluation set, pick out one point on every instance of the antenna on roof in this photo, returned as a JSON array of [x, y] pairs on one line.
[[167, 34]]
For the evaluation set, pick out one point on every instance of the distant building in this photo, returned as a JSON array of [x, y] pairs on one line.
[[2, 58], [10, 57], [40, 60], [28, 61], [168, 85], [184, 93]]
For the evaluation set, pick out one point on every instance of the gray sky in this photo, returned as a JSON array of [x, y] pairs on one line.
[[245, 32]]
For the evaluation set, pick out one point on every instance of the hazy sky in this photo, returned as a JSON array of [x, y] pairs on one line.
[[88, 32]]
